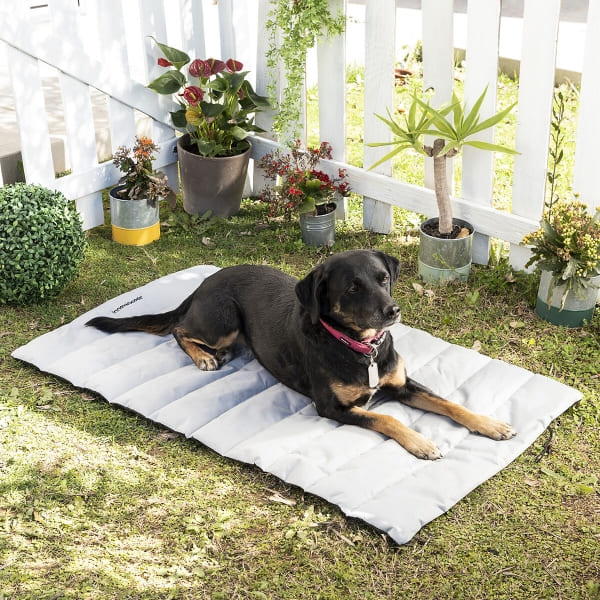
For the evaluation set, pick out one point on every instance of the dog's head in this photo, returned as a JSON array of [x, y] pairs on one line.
[[353, 289]]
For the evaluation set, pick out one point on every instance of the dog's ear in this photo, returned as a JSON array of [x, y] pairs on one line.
[[311, 290], [392, 264]]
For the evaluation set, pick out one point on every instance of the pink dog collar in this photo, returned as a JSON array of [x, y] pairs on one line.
[[366, 346]]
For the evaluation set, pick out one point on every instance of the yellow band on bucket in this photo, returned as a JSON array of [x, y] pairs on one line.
[[136, 237]]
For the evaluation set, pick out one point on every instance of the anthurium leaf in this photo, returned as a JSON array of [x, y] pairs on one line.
[[177, 57], [238, 133], [178, 118], [257, 99], [211, 110], [168, 83], [219, 85], [235, 80], [206, 148]]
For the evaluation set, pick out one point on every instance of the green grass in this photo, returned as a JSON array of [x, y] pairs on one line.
[[96, 502]]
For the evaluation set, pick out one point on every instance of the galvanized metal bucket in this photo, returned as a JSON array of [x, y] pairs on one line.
[[318, 230], [443, 260], [134, 222], [577, 310]]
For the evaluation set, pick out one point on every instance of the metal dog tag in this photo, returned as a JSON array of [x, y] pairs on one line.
[[373, 374]]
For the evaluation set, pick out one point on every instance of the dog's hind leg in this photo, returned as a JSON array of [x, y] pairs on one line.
[[209, 330], [206, 356]]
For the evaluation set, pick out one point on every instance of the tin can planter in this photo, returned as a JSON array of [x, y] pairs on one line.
[[319, 230], [211, 184], [577, 309], [442, 259], [134, 222]]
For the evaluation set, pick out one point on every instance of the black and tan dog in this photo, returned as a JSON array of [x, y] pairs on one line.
[[324, 336]]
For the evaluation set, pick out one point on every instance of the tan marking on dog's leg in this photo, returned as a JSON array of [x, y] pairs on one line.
[[202, 359], [348, 394], [222, 343], [408, 438], [492, 428]]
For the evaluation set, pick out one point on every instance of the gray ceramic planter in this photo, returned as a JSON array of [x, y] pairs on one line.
[[211, 184]]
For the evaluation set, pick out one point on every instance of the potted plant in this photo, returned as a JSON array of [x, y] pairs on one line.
[[217, 107], [294, 28], [134, 202], [566, 248], [445, 242], [304, 189]]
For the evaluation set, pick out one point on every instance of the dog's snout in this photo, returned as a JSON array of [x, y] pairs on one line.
[[392, 311]]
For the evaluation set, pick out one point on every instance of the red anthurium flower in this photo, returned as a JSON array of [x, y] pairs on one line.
[[216, 65], [234, 65], [193, 95], [200, 68], [163, 62]]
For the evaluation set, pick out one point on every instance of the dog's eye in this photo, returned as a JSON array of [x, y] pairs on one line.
[[384, 279], [354, 287]]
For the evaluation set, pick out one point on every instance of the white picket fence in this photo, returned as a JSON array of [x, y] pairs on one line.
[[103, 47]]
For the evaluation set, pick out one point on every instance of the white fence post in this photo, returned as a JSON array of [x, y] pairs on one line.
[[588, 126], [113, 53], [264, 119], [79, 118], [331, 54], [380, 20], [482, 70], [192, 28], [152, 17], [36, 150], [438, 66], [536, 86]]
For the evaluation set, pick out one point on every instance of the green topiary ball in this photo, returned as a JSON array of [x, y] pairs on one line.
[[41, 243]]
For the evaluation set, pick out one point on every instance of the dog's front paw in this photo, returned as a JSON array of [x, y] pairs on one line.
[[421, 447], [492, 428]]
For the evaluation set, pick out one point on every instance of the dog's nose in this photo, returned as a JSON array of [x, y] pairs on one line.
[[392, 311]]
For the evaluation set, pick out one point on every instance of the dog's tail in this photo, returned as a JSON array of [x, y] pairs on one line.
[[159, 324]]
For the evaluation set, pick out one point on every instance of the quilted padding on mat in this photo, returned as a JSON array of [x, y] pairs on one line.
[[243, 413]]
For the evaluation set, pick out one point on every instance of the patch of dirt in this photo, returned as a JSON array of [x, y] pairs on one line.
[[432, 229]]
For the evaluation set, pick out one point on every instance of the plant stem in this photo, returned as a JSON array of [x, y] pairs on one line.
[[441, 187]]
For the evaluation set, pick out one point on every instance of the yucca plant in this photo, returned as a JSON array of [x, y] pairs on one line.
[[451, 127]]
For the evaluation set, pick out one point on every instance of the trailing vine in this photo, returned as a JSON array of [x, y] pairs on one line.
[[557, 138], [294, 27]]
